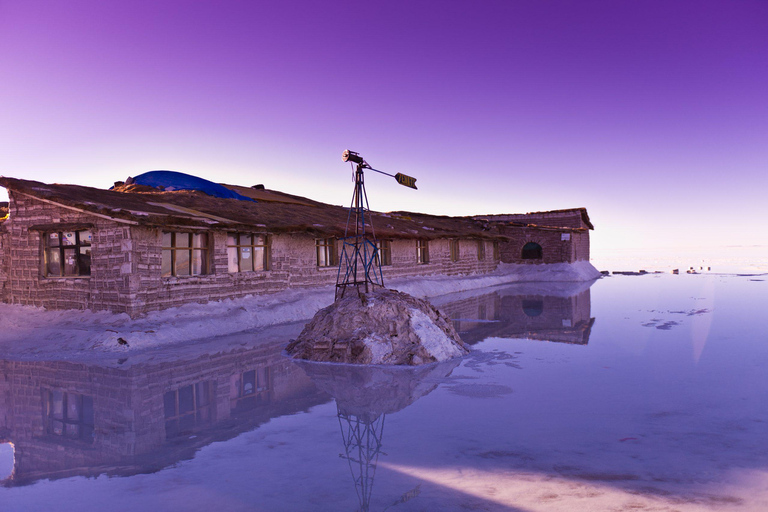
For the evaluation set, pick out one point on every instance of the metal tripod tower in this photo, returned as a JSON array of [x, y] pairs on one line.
[[360, 265]]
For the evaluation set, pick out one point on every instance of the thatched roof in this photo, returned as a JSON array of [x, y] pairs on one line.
[[275, 212]]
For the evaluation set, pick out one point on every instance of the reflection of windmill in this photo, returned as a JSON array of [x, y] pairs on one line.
[[364, 396], [362, 438]]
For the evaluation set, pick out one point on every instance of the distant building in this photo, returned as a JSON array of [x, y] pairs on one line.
[[137, 248]]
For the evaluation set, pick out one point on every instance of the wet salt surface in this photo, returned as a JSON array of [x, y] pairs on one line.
[[639, 393]]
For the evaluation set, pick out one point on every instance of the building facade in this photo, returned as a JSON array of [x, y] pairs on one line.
[[140, 250]]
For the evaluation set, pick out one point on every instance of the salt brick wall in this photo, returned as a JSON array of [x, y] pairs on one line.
[[129, 411], [554, 249], [26, 284], [126, 263], [3, 263], [559, 219]]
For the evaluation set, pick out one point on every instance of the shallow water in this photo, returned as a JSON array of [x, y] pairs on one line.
[[637, 393]]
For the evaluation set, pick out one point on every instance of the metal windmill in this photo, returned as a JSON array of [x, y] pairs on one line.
[[360, 263]]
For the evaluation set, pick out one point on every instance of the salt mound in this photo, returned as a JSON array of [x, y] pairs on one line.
[[379, 327]]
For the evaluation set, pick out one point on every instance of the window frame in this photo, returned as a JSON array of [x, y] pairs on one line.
[[481, 250], [422, 252], [190, 249], [454, 250], [325, 247], [265, 246], [81, 260], [202, 412], [384, 253], [83, 423]]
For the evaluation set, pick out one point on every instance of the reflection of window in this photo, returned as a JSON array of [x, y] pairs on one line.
[[384, 253], [68, 415], [184, 254], [532, 251], [422, 251], [326, 252], [480, 250], [533, 307], [249, 389], [68, 253], [247, 252], [453, 245], [187, 408]]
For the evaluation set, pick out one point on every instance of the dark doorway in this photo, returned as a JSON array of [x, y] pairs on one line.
[[532, 251]]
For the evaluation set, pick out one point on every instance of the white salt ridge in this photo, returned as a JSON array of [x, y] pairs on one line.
[[433, 339], [35, 333]]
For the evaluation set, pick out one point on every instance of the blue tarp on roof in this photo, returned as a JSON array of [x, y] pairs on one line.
[[172, 180]]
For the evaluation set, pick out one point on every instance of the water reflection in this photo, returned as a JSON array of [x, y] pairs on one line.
[[364, 396], [69, 419], [559, 312], [85, 419]]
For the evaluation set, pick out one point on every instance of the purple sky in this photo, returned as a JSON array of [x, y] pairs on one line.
[[652, 114]]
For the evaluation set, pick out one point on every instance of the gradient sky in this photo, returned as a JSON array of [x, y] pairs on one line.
[[652, 114]]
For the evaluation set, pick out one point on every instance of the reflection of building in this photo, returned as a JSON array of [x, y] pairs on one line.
[[67, 419], [549, 312]]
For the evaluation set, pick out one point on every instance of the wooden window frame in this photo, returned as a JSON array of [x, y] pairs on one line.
[[190, 249], [202, 412], [481, 250], [496, 250], [325, 252], [384, 252], [454, 250], [265, 245], [82, 424], [81, 260], [422, 252]]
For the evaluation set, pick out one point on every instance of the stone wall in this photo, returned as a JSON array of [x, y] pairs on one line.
[[4, 261], [566, 218], [106, 287], [555, 249], [126, 262]]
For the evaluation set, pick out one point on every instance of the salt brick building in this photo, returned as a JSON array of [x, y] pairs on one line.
[[136, 249]]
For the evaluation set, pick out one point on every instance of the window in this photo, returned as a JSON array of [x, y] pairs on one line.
[[326, 252], [68, 415], [422, 251], [453, 245], [384, 252], [187, 408], [532, 251], [184, 254], [68, 253], [250, 388], [247, 252], [480, 250], [496, 251]]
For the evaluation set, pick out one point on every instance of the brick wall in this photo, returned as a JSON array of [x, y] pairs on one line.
[[554, 248], [126, 263], [4, 261], [565, 219]]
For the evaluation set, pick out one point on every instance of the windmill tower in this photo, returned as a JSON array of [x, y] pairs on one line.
[[360, 264]]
